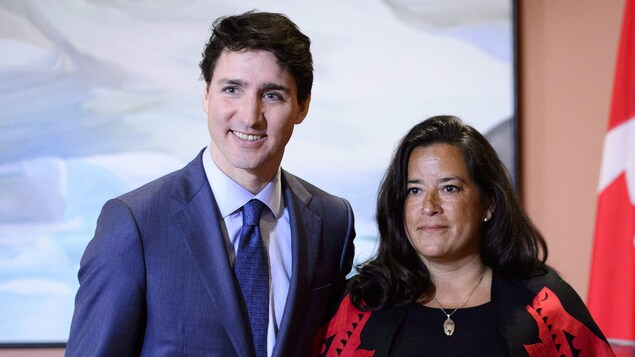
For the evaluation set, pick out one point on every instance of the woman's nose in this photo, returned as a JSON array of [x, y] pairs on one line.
[[431, 204]]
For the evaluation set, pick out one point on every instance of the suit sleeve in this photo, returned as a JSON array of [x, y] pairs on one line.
[[109, 317], [348, 252], [346, 261]]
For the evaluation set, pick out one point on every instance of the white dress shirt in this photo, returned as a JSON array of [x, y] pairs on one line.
[[274, 228]]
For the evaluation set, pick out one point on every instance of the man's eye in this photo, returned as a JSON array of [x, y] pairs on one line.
[[230, 90], [273, 95]]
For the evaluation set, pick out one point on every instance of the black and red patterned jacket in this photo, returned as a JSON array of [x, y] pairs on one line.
[[542, 316]]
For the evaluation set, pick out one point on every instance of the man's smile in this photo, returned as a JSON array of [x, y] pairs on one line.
[[250, 137]]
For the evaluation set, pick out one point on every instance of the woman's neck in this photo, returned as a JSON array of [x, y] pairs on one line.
[[455, 281]]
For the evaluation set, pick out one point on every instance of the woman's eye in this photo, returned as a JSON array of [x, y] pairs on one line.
[[413, 190], [450, 188]]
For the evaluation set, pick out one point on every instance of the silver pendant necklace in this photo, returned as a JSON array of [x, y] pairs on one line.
[[449, 325]]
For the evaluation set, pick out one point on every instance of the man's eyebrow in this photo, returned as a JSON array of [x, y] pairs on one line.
[[265, 86], [273, 86], [237, 82]]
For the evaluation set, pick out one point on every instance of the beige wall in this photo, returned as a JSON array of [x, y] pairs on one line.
[[567, 52], [567, 58]]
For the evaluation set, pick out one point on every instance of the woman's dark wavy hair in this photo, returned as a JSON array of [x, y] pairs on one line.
[[262, 31], [511, 245]]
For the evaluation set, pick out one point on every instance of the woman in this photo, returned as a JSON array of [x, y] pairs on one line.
[[460, 269]]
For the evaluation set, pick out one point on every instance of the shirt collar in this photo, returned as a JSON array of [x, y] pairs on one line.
[[230, 196]]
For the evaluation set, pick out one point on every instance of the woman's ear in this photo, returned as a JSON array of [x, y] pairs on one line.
[[489, 212]]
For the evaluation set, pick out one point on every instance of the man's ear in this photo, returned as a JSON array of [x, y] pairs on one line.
[[304, 110], [205, 97]]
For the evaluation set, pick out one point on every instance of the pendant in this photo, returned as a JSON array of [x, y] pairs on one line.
[[448, 326]]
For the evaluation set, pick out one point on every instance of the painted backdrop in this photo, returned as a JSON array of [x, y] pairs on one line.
[[100, 96]]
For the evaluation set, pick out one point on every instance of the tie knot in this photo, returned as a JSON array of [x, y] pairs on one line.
[[251, 212]]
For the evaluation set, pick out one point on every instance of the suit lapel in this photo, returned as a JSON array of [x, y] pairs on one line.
[[199, 224], [305, 233]]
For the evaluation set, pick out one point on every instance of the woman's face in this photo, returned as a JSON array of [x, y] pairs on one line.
[[443, 209]]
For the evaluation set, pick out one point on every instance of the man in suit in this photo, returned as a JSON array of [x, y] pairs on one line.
[[158, 277]]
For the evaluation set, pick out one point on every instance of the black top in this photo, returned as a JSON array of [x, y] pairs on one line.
[[475, 334]]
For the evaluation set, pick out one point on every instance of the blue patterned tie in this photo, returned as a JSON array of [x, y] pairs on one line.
[[252, 271]]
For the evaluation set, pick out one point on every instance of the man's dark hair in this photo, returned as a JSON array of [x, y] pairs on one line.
[[262, 31]]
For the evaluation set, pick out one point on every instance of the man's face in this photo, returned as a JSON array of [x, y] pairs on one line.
[[252, 107]]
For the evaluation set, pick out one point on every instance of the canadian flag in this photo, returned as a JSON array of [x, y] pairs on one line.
[[612, 285]]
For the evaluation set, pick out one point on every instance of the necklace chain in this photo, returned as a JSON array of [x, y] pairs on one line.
[[466, 299]]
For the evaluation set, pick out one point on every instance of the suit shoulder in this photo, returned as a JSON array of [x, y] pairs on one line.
[[320, 200], [308, 186], [316, 192], [181, 184]]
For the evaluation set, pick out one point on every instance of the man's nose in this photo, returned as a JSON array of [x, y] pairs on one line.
[[252, 111]]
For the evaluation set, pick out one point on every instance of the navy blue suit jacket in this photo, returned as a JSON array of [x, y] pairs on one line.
[[156, 280]]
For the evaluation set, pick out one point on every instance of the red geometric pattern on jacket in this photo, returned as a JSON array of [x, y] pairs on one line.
[[561, 334], [350, 322]]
